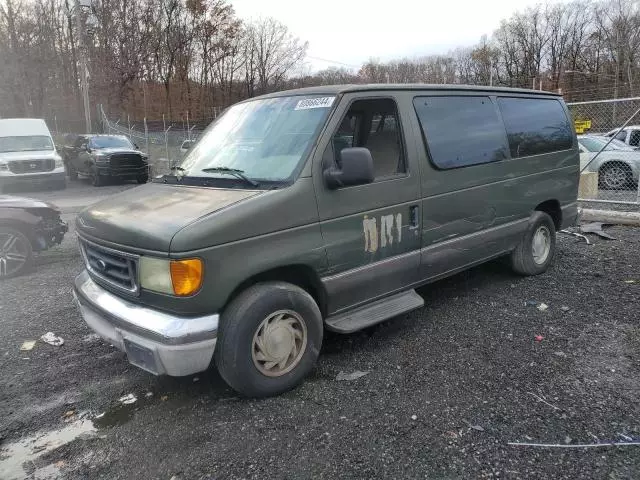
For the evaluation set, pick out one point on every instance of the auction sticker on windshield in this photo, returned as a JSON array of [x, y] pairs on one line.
[[307, 103]]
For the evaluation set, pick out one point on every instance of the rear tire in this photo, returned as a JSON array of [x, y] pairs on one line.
[[269, 339], [536, 250], [16, 252]]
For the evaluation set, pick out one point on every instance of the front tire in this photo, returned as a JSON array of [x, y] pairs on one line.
[[536, 250], [269, 339], [16, 253], [98, 180], [616, 176]]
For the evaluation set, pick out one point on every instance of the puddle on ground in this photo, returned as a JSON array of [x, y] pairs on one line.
[[13, 456], [116, 415]]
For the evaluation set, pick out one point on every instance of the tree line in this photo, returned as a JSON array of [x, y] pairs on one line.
[[146, 58]]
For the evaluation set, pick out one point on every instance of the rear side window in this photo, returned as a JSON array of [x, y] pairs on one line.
[[535, 126], [461, 131]]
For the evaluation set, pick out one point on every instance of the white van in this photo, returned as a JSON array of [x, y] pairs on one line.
[[28, 154]]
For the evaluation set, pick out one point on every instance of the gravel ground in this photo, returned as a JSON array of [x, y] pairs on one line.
[[449, 386]]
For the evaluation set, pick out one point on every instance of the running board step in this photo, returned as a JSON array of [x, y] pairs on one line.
[[375, 312]]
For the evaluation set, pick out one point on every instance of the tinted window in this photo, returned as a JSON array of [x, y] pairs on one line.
[[634, 140], [461, 131], [535, 126]]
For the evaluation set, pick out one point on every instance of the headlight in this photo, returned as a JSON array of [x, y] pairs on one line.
[[102, 159], [175, 277], [59, 162]]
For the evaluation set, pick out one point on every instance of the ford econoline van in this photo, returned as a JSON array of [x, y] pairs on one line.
[[322, 209]]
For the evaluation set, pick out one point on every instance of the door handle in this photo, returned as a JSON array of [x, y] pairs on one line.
[[414, 222]]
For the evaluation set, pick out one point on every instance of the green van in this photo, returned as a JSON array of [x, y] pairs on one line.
[[322, 208]]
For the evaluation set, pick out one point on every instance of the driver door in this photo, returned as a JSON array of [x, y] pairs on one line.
[[370, 232]]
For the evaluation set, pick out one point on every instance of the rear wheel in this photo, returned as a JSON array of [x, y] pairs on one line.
[[616, 176], [269, 339], [536, 250], [16, 253]]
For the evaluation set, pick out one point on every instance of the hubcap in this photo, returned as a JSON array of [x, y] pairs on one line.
[[279, 343], [541, 245], [615, 177], [13, 254]]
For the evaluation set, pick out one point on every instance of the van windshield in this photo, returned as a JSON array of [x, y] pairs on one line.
[[595, 144], [25, 144], [264, 139]]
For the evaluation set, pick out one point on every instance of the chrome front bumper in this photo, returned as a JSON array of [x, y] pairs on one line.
[[155, 341]]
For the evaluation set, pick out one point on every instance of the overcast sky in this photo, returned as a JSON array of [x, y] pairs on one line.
[[352, 31]]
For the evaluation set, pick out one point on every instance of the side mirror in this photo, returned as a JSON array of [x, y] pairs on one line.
[[356, 169]]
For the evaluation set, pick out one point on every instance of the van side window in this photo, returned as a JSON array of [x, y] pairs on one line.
[[373, 124], [461, 131], [535, 126], [634, 139]]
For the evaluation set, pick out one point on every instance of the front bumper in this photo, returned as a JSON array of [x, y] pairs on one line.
[[155, 341], [44, 178], [126, 172]]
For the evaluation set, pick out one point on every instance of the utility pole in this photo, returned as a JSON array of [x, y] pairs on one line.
[[84, 72]]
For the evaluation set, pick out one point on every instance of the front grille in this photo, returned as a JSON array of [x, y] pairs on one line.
[[125, 160], [32, 166], [118, 269]]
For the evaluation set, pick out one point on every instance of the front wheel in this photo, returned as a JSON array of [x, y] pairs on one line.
[[616, 176], [536, 250], [98, 180], [16, 253], [269, 339]]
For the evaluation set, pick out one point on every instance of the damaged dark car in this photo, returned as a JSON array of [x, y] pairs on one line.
[[104, 158], [27, 226]]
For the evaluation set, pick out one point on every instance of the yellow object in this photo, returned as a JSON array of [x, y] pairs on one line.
[[582, 125], [186, 276]]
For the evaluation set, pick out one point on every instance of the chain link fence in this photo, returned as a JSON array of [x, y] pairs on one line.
[[163, 141], [609, 139]]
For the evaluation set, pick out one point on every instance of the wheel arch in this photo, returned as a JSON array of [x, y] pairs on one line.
[[300, 275], [552, 208]]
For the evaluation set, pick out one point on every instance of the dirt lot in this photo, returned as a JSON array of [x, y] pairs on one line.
[[449, 386]]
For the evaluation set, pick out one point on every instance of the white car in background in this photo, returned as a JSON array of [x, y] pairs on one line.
[[618, 166], [629, 135], [28, 155]]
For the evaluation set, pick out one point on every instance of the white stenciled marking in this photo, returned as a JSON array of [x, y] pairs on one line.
[[370, 234]]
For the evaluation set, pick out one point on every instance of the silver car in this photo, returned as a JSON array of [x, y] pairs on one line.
[[618, 166]]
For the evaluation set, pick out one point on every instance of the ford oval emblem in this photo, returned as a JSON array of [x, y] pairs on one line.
[[101, 264]]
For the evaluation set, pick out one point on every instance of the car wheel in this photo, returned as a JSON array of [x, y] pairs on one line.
[[616, 176], [536, 250], [269, 339], [16, 253], [143, 178]]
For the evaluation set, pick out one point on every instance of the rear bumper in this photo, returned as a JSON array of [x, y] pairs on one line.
[[155, 341], [569, 215]]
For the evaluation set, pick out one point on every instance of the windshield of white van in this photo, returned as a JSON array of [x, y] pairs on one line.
[[25, 144], [262, 139]]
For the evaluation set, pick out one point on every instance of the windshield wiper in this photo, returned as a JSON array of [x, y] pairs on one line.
[[232, 171], [177, 167]]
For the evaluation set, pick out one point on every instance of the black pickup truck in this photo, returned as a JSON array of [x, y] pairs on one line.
[[103, 158]]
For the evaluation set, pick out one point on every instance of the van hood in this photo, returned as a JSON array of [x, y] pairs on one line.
[[27, 155], [147, 217]]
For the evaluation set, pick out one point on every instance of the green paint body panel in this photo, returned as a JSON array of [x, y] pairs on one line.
[[434, 222]]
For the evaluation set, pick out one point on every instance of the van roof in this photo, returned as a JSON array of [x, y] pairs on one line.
[[23, 127], [340, 89]]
